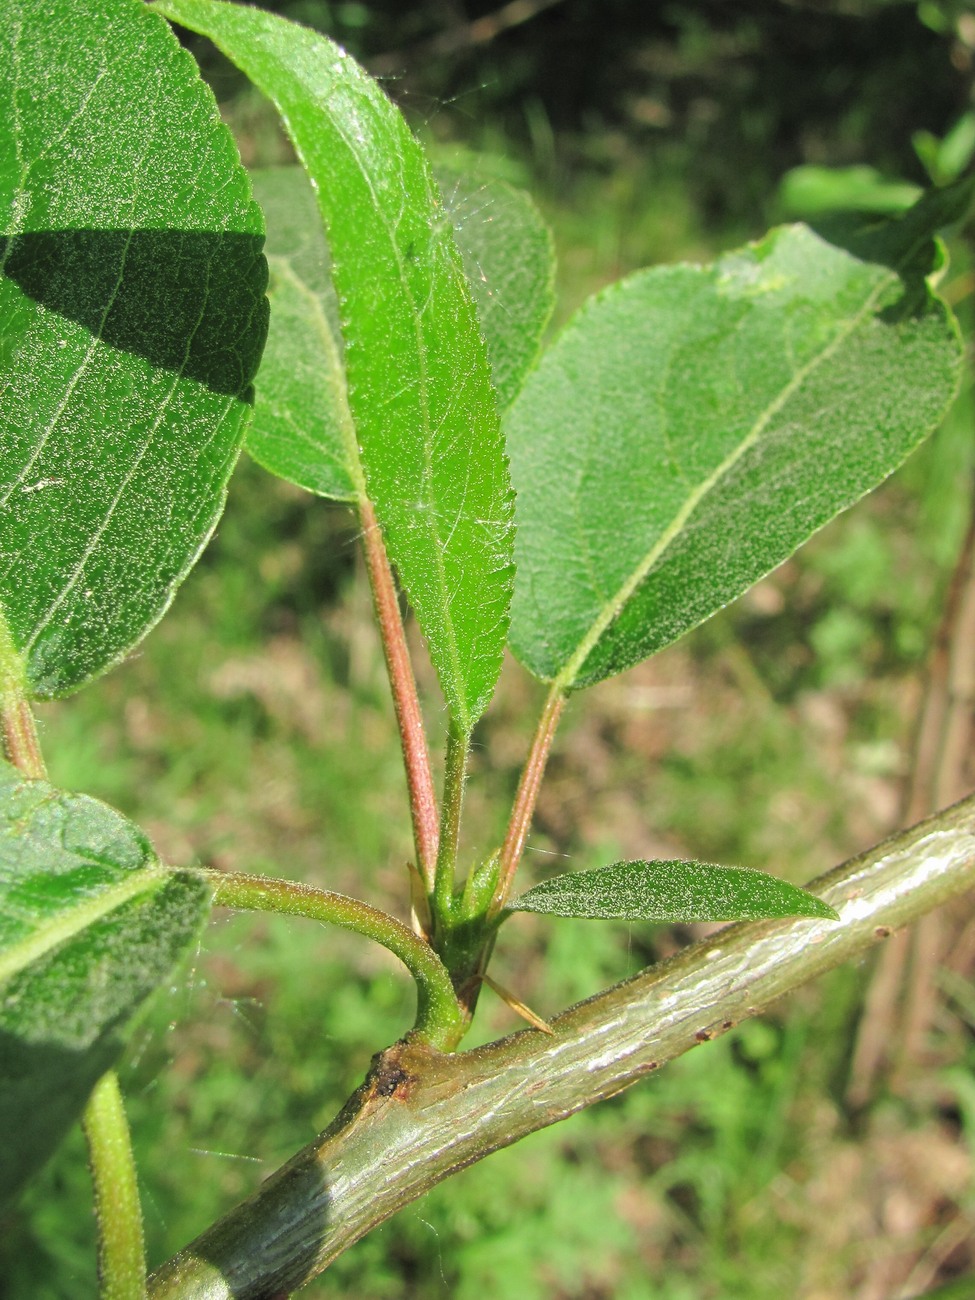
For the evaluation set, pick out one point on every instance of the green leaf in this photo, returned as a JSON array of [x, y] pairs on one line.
[[946, 159], [671, 891], [810, 191], [694, 425], [132, 318], [90, 924], [419, 387], [302, 428], [509, 257]]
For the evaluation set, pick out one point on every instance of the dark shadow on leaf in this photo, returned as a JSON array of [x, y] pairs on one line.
[[65, 1016], [187, 301], [903, 243], [43, 1090], [883, 242]]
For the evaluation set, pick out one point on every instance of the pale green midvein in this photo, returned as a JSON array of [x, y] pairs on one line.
[[95, 340], [340, 391], [564, 680], [102, 528], [143, 881], [150, 437], [450, 638]]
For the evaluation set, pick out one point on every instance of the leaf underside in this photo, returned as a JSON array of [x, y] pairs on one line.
[[671, 891], [90, 925], [424, 433], [302, 429], [132, 317], [694, 425]]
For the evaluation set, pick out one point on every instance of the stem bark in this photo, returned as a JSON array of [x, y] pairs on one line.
[[421, 1116]]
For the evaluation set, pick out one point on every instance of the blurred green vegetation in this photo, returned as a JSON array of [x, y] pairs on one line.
[[253, 731]]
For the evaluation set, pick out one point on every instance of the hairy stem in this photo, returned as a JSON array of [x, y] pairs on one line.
[[439, 1022], [20, 743], [18, 730], [421, 1116], [528, 787], [121, 1248], [416, 757], [455, 772]]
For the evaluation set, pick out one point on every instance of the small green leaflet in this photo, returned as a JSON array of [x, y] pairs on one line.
[[424, 436], [132, 317], [90, 925], [671, 891], [693, 426]]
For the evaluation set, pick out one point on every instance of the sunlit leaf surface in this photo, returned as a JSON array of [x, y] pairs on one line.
[[694, 425], [303, 429], [132, 316], [424, 426]]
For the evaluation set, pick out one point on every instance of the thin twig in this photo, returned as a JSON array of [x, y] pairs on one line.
[[121, 1244], [463, 36], [523, 808], [947, 784], [439, 1021], [422, 1116], [889, 1031], [416, 756]]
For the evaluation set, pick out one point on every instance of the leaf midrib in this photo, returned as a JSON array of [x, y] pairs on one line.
[[564, 680], [451, 644], [144, 880]]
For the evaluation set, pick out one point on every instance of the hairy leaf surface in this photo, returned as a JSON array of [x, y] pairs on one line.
[[419, 388], [302, 429], [509, 258], [670, 891], [90, 924], [132, 317], [694, 425]]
